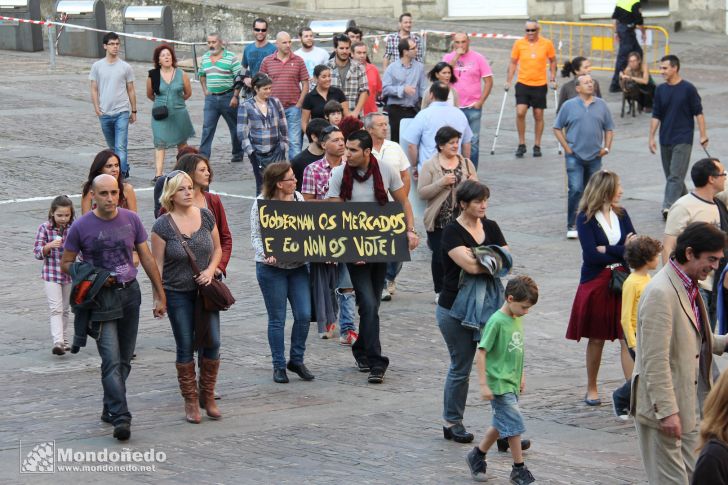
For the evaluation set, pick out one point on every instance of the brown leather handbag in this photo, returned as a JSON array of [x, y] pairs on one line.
[[216, 296]]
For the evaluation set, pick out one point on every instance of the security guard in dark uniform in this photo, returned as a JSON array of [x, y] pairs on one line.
[[627, 17]]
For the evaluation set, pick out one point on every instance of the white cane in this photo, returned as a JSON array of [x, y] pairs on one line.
[[500, 117]]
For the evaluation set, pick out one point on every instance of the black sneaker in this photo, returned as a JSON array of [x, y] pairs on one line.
[[536, 151], [521, 475], [521, 151], [106, 417], [362, 365], [376, 376], [503, 444], [122, 431], [477, 464]]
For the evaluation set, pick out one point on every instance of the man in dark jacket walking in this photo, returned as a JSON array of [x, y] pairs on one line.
[[107, 237]]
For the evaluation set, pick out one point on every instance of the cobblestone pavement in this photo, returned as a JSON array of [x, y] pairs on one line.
[[336, 429]]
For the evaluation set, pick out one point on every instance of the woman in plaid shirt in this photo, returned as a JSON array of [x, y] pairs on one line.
[[49, 249]]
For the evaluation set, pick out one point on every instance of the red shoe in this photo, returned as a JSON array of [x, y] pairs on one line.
[[348, 338]]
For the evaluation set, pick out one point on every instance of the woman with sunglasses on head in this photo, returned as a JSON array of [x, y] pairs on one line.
[[262, 128], [107, 162], [282, 281], [193, 326], [168, 87], [198, 168]]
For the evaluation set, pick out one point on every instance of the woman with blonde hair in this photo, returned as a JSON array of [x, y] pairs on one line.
[[192, 325], [604, 228], [712, 464]]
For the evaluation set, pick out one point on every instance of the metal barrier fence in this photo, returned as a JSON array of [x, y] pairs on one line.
[[596, 42]]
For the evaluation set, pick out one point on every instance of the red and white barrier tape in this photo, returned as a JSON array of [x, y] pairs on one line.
[[72, 26], [477, 35]]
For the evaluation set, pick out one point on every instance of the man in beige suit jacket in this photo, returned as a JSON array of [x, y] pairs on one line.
[[674, 356]]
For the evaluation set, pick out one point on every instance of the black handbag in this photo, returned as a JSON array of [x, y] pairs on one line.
[[216, 296], [160, 112], [616, 280]]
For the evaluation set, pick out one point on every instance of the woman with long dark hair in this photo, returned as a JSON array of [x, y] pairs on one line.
[[578, 66], [108, 162], [442, 72]]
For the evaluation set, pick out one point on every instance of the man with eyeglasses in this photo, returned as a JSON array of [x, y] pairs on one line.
[[218, 70], [585, 129], [404, 86], [700, 205], [529, 56], [675, 347], [254, 53], [473, 86], [114, 98]]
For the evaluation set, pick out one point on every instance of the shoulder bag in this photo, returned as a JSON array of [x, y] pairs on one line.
[[216, 296], [617, 278], [160, 112]]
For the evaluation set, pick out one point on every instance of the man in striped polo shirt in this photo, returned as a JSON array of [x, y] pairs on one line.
[[217, 73], [290, 84]]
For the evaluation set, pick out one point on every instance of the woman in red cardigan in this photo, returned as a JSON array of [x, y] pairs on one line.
[[198, 168]]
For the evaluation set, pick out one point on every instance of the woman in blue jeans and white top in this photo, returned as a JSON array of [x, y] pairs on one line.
[[470, 229], [200, 233], [280, 282]]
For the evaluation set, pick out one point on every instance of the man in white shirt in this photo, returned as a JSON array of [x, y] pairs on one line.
[[389, 153], [312, 55]]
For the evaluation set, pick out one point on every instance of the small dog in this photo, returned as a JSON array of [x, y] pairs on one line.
[[630, 97]]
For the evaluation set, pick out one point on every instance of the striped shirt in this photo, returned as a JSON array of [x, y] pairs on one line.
[[691, 287], [220, 75], [52, 262], [287, 77]]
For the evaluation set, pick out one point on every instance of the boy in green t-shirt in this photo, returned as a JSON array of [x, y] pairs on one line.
[[502, 379]]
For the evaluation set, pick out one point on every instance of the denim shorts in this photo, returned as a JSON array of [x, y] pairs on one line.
[[507, 418]]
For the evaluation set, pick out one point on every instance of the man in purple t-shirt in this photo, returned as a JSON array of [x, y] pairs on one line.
[[475, 80], [106, 237]]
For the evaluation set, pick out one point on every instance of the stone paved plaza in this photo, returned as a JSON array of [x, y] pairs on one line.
[[337, 429]]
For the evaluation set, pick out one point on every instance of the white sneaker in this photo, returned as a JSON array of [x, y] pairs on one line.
[[386, 296], [391, 287], [572, 234]]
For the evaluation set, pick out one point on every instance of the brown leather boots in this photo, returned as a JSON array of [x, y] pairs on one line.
[[208, 377], [188, 388]]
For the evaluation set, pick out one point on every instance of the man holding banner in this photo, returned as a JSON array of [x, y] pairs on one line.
[[363, 179]]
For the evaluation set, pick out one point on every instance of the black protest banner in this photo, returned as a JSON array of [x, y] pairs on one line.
[[320, 232]]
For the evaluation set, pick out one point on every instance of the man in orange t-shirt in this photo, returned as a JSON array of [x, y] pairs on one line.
[[530, 55]]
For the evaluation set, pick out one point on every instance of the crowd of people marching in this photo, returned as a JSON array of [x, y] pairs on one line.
[[665, 325]]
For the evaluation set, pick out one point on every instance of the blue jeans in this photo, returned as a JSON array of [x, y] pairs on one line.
[[393, 270], [116, 132], [278, 285], [461, 346], [507, 417], [578, 172], [368, 281], [215, 107], [181, 311], [474, 115], [675, 163], [115, 341], [347, 302], [293, 119]]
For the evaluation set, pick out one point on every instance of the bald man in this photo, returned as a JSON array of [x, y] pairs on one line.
[[290, 84], [107, 237]]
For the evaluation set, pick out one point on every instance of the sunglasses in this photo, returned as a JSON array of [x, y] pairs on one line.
[[720, 174], [531, 30], [172, 175], [330, 129], [260, 30]]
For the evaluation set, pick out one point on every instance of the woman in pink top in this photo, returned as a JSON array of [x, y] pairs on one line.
[[373, 78]]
